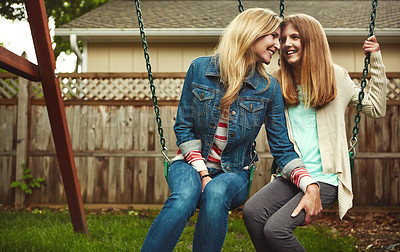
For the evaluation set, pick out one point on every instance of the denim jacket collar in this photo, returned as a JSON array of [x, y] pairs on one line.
[[213, 70]]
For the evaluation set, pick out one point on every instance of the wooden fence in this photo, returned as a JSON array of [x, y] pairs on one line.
[[116, 143]]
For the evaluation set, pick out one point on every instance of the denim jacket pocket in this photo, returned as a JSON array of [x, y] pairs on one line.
[[202, 104], [251, 112], [204, 96]]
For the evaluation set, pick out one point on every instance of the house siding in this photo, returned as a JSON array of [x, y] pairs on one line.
[[176, 57]]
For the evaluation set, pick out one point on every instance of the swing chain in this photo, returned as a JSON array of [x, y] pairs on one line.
[[240, 7], [150, 76], [353, 140], [253, 153], [373, 17], [282, 8]]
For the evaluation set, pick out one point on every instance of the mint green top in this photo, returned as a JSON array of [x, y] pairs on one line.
[[304, 131]]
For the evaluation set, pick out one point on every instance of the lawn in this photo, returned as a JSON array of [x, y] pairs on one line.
[[51, 230]]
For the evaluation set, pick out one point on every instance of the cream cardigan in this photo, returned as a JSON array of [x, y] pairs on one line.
[[331, 124]]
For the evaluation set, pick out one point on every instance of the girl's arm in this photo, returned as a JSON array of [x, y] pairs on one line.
[[374, 102], [285, 156], [280, 146], [188, 145]]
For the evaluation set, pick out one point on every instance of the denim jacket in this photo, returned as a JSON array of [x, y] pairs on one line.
[[257, 103]]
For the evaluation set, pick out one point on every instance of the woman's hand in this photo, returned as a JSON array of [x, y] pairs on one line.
[[204, 179], [204, 182], [311, 203], [371, 45]]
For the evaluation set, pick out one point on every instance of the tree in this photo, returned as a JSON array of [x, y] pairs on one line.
[[61, 11]]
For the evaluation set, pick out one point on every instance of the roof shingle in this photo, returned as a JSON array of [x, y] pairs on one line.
[[217, 14]]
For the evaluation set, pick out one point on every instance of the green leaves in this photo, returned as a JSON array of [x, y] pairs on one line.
[[28, 182]]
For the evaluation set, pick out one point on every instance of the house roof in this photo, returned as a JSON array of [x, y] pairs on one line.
[[208, 18]]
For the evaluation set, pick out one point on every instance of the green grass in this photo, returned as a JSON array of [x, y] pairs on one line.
[[45, 230]]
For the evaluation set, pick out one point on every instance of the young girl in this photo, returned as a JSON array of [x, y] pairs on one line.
[[316, 94], [225, 100]]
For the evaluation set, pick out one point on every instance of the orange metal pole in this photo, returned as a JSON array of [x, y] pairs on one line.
[[51, 88]]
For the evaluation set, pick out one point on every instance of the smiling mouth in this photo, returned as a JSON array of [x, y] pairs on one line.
[[291, 52], [271, 52]]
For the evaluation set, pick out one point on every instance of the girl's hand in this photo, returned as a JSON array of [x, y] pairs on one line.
[[204, 182], [371, 45], [310, 203], [206, 178]]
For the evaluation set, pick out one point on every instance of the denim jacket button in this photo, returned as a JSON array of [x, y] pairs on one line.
[[233, 113], [228, 168], [233, 134]]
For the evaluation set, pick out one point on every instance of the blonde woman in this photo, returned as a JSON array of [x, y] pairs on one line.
[[225, 100], [316, 94]]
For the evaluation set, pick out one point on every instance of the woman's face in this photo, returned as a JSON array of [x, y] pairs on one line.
[[291, 45], [266, 46]]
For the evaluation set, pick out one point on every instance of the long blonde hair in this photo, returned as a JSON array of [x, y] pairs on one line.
[[317, 74], [236, 57]]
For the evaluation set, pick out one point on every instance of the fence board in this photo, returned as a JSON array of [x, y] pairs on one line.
[[140, 167], [101, 192], [6, 177], [7, 135], [22, 136], [395, 183]]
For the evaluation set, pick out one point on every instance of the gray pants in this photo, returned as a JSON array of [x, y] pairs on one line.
[[267, 214]]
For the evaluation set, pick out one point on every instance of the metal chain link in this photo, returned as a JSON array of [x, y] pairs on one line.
[[150, 76], [282, 9], [353, 140], [240, 7], [282, 15]]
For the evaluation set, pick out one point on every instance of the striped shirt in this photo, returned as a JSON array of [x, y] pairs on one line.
[[214, 159]]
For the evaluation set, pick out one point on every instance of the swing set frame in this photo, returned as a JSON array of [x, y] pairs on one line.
[[44, 72]]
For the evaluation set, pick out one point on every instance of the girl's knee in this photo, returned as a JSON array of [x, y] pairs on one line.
[[252, 211], [184, 200], [274, 231], [248, 212], [214, 192], [213, 201]]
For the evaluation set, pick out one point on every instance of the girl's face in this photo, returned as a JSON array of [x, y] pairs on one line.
[[291, 45], [266, 46]]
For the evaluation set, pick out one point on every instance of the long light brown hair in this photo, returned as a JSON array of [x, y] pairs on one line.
[[236, 57], [317, 74]]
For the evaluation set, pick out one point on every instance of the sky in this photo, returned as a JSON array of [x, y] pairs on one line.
[[16, 37]]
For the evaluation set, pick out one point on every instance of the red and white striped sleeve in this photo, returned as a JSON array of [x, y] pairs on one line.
[[301, 178], [195, 159]]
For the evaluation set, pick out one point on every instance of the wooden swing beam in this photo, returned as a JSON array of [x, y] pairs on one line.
[[45, 73]]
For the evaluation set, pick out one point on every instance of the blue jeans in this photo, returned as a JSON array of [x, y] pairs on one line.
[[226, 191]]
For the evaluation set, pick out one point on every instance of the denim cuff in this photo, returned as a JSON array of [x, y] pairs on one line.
[[189, 146], [289, 167]]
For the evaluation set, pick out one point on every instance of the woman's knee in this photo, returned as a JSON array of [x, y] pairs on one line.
[[249, 211], [252, 210], [274, 231], [185, 197], [214, 199]]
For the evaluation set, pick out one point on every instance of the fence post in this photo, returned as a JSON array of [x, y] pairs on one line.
[[22, 135]]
